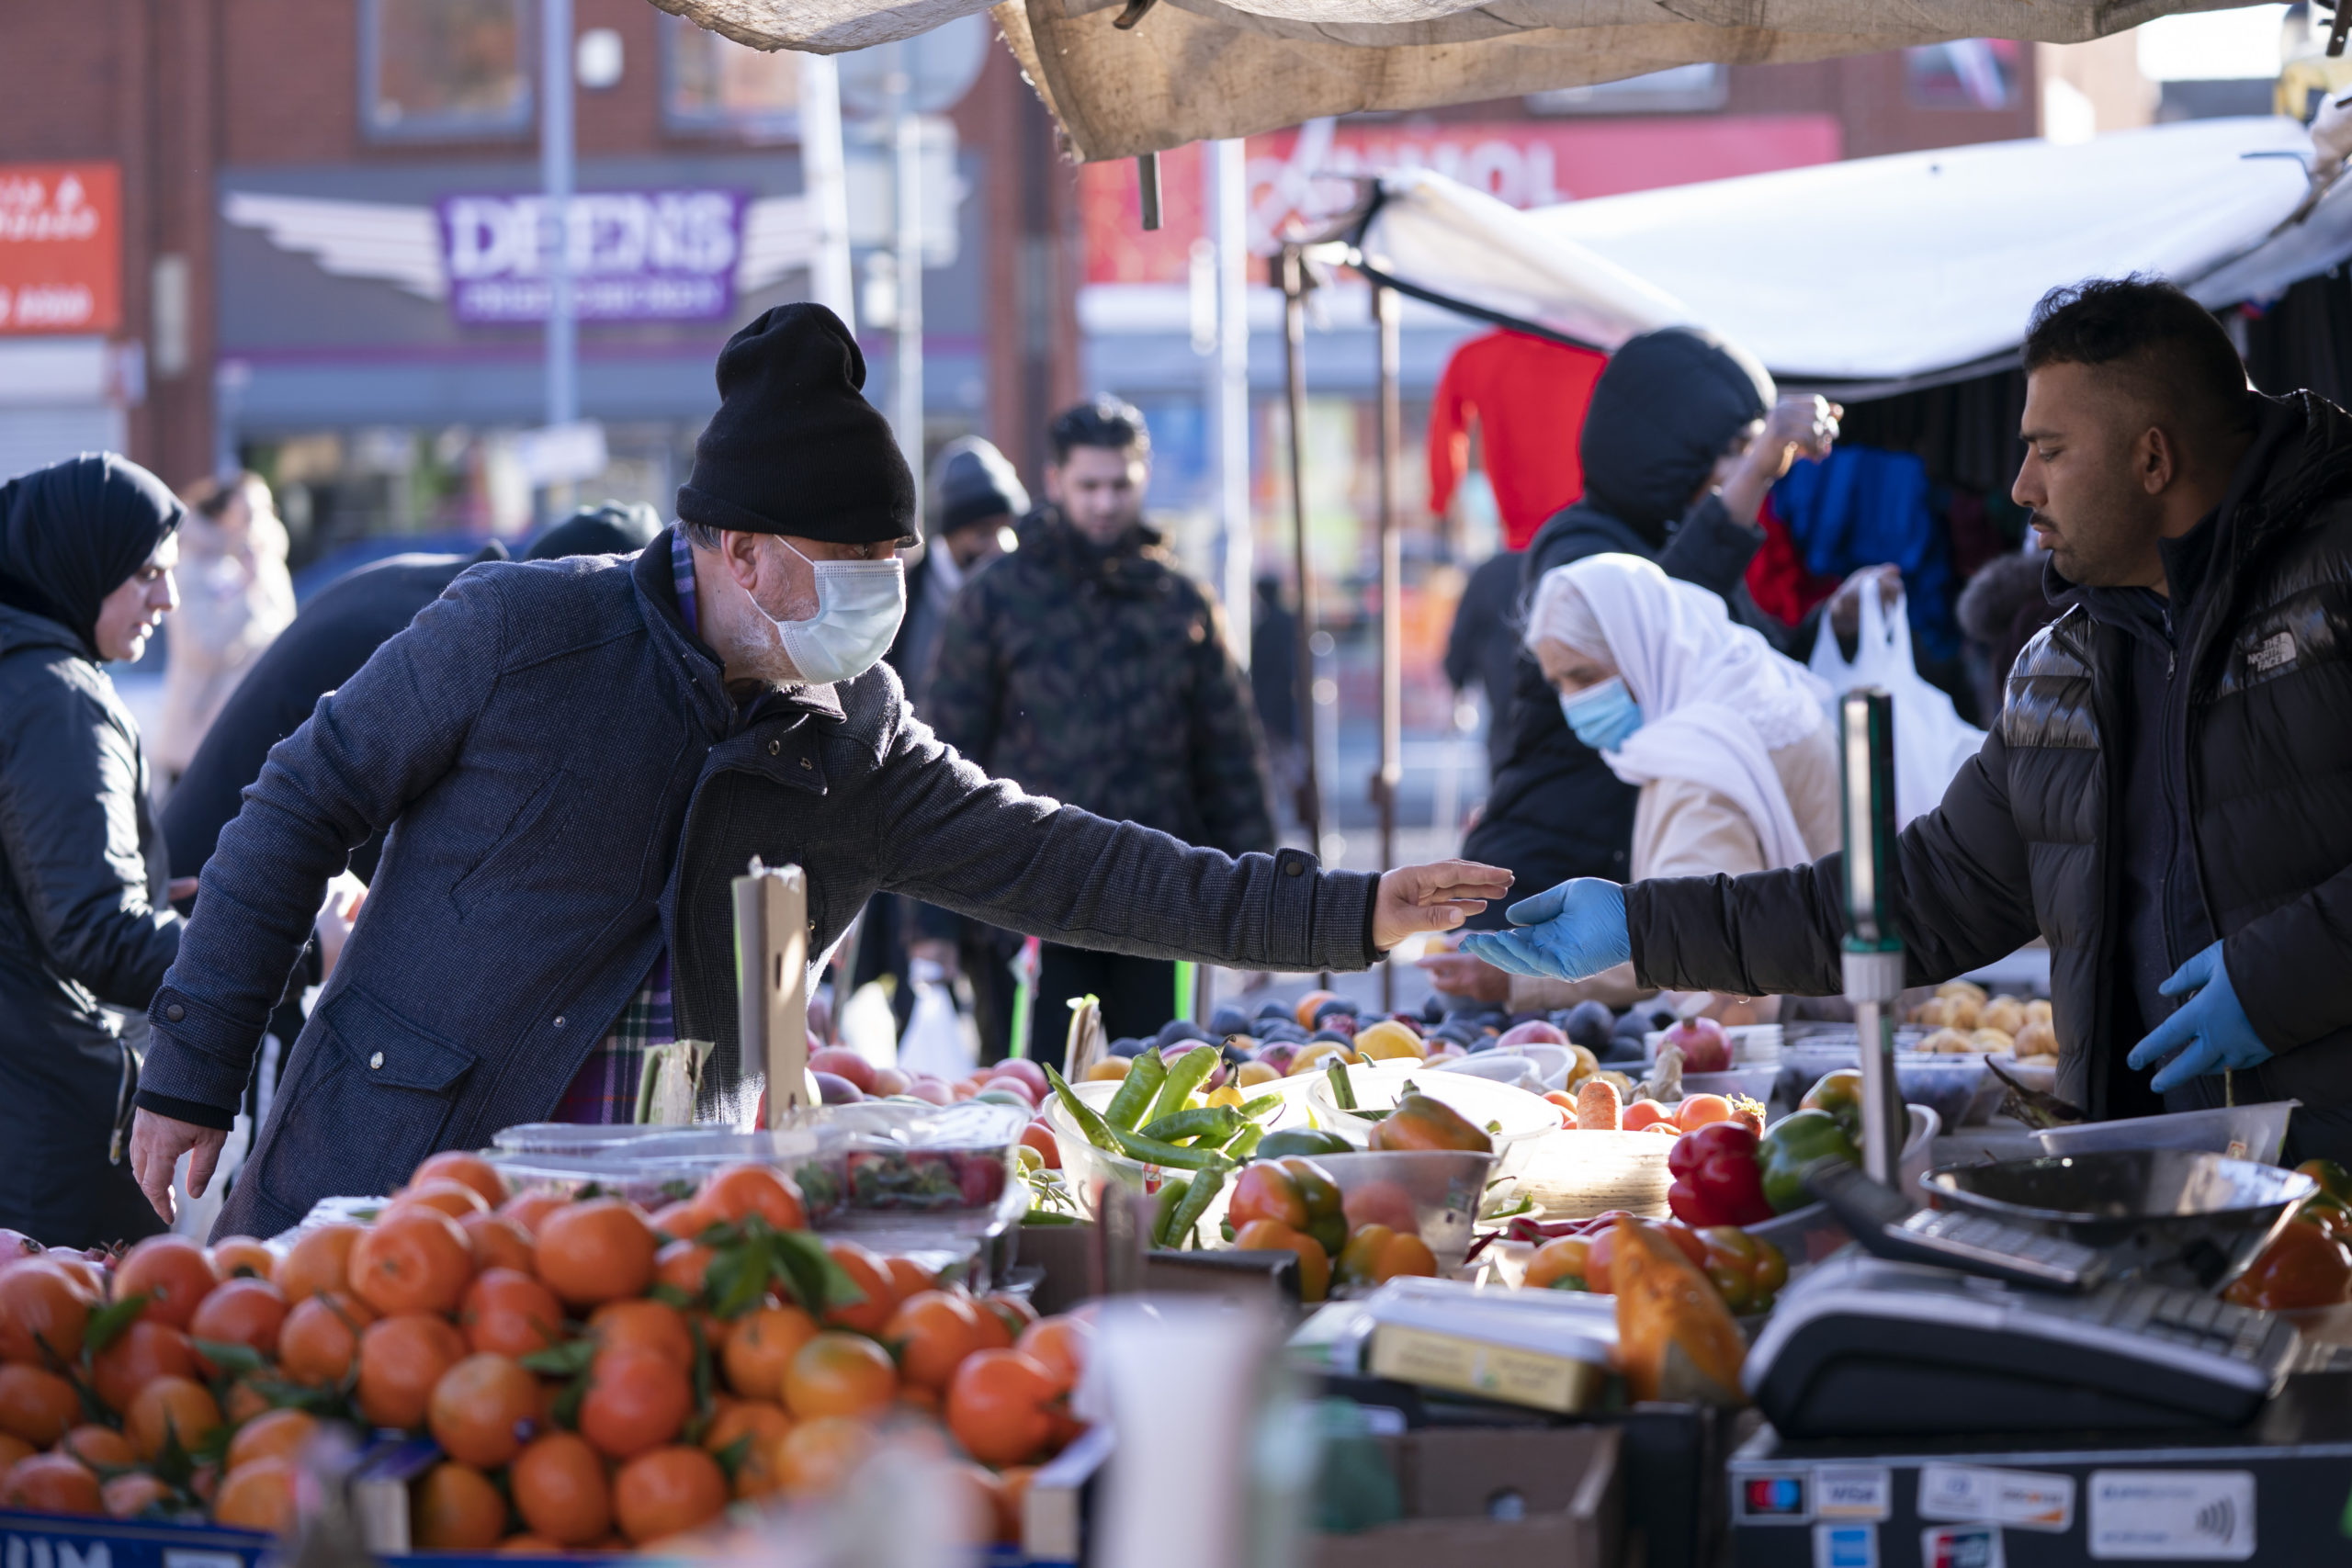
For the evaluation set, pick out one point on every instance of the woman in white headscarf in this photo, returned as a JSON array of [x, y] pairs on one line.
[[1730, 743]]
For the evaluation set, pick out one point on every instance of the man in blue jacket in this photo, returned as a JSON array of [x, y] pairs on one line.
[[574, 758]]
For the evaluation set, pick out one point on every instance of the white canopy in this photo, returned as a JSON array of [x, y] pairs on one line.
[[1194, 69], [1880, 269]]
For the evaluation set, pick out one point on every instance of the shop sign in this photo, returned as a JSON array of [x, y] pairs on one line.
[[61, 248], [666, 255]]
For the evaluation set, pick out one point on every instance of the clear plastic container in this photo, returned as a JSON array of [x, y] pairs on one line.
[[1445, 1189], [2256, 1132], [1576, 1175], [1752, 1044], [1755, 1082]]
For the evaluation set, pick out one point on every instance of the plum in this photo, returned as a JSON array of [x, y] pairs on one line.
[[1025, 1069], [1228, 1019], [1589, 1024], [1535, 1031], [1129, 1048], [835, 1090], [846, 1064]]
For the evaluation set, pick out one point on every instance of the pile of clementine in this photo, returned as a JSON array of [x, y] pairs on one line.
[[594, 1376]]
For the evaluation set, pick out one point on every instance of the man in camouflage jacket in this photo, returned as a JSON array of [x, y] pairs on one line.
[[1089, 667]]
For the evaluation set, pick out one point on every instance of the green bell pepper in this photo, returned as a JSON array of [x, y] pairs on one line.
[[1790, 1146], [1840, 1094]]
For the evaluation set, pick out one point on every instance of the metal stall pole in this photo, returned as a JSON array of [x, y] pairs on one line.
[[824, 177], [1294, 280], [906, 376], [1873, 950], [1387, 307], [563, 336]]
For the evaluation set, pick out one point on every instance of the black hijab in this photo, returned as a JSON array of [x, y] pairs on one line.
[[1666, 406], [73, 533]]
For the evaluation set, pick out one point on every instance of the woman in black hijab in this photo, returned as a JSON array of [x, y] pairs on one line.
[[87, 551]]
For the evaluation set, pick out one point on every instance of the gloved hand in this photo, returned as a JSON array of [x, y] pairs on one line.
[[1572, 932], [2210, 1032]]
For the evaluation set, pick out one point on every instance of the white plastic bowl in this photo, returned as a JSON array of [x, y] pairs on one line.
[[1511, 1117]]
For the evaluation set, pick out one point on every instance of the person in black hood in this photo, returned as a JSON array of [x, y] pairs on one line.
[[1684, 435], [611, 528], [87, 551]]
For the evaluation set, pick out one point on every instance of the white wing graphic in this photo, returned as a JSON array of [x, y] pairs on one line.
[[779, 238], [385, 241]]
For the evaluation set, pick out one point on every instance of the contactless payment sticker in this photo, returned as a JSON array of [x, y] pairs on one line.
[[2175, 1515]]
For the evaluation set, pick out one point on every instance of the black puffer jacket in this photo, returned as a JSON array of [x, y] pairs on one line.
[[2025, 842]]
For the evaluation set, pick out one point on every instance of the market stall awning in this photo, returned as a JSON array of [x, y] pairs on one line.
[[1882, 270], [1194, 69]]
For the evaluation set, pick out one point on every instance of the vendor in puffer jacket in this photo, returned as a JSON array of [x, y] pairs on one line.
[[2168, 796]]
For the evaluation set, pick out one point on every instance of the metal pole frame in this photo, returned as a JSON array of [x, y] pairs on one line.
[[562, 332], [1294, 284], [1387, 309]]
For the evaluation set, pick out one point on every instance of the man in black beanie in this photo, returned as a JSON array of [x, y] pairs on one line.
[[575, 757]]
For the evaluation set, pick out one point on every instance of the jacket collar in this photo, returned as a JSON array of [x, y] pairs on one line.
[[1129, 565], [698, 665]]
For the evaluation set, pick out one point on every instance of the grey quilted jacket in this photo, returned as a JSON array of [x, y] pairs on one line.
[[569, 787]]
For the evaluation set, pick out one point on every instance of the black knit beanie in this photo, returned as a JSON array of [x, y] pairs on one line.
[[795, 448], [1666, 406], [613, 529], [971, 482]]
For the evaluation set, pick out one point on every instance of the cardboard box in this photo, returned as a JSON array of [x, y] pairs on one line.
[[1553, 1497]]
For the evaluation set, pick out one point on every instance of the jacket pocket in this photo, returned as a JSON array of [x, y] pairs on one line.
[[535, 828], [370, 1095]]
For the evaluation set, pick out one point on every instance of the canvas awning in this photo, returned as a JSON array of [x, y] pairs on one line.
[[1906, 269], [1195, 70]]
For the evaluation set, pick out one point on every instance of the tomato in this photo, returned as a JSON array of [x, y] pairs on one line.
[[2305, 1267], [1643, 1114], [1702, 1110]]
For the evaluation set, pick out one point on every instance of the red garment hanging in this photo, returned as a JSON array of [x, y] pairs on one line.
[[1526, 396]]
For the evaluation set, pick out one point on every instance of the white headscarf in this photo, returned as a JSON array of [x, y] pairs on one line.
[[1716, 700]]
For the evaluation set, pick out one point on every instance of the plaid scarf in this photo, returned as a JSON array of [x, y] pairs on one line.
[[605, 1088]]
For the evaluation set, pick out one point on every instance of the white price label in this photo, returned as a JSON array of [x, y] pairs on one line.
[[2028, 1499]]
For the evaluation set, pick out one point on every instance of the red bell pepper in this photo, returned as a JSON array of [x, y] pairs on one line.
[[1717, 1179]]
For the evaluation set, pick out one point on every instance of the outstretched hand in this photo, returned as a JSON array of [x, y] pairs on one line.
[[2210, 1033], [156, 1144], [1571, 932], [1433, 897]]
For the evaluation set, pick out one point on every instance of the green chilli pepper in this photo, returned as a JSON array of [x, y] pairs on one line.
[[1212, 1123], [1151, 1151], [1171, 1197], [1097, 1130], [1342, 1090], [1200, 1193], [1187, 1072], [1254, 1109], [1245, 1142], [1144, 1074]]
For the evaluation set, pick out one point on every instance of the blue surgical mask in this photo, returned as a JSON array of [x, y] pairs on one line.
[[1602, 716]]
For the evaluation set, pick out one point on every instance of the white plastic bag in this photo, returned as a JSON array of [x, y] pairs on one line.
[[1931, 741], [933, 1043]]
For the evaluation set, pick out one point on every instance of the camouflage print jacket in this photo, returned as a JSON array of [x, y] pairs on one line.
[[1103, 679]]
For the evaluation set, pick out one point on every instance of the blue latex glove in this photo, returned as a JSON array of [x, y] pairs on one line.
[[1575, 930], [2210, 1031]]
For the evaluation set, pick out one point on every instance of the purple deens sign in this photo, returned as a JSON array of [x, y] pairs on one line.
[[658, 256]]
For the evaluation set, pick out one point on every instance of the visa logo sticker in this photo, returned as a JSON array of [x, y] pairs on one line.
[[1845, 1546], [1852, 1492], [1961, 1546], [2177, 1516], [2028, 1499]]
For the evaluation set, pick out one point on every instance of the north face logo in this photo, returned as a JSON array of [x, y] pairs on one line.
[[2277, 650]]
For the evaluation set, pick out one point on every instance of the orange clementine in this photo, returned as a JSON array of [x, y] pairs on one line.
[[1002, 1406], [645, 1325], [759, 1348], [129, 1495], [680, 1266], [877, 1301], [100, 1448], [43, 1309], [529, 1545], [496, 1242], [455, 1508], [1013, 1311], [417, 1260], [816, 1456], [681, 1221], [13, 1448], [36, 1406], [139, 1354], [597, 1251], [233, 1255], [528, 1209], [455, 1165], [668, 1492], [318, 1260], [483, 1409], [172, 1272], [171, 1408], [281, 1434], [559, 1490], [454, 1198], [53, 1484], [637, 1400], [839, 1374], [242, 1311], [932, 1332], [243, 1402], [401, 1358], [257, 1496], [1060, 1344], [751, 1428], [745, 1190], [909, 1277], [319, 1342], [507, 1312]]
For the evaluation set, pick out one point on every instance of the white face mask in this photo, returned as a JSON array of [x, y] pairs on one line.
[[859, 606]]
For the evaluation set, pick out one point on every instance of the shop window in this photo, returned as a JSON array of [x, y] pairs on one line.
[[1966, 74], [445, 69], [713, 85]]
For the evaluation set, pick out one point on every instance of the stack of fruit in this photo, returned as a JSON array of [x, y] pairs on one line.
[[1746, 1271], [595, 1377], [2309, 1263], [1966, 1021], [1359, 1239]]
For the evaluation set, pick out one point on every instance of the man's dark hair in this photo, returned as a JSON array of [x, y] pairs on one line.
[[2176, 355], [1110, 422]]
